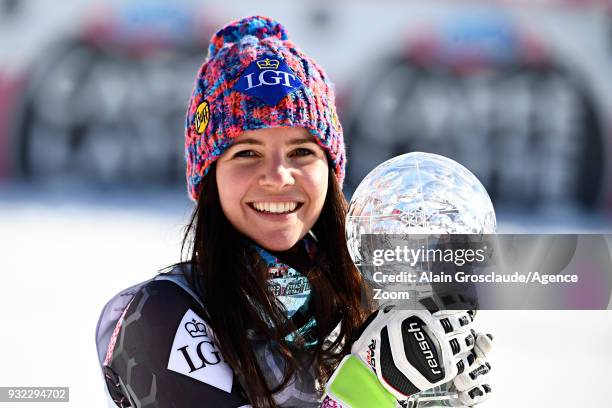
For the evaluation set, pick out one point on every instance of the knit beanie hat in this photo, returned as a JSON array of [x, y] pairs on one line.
[[254, 77]]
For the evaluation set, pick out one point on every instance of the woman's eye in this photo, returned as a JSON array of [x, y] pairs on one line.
[[302, 152], [245, 153]]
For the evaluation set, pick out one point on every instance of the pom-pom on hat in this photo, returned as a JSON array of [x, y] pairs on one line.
[[254, 77]]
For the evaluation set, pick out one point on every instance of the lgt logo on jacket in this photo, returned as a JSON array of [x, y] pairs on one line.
[[195, 354]]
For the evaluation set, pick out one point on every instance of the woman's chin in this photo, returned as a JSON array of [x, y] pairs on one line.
[[278, 242]]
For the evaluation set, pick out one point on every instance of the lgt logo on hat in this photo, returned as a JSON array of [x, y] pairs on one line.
[[268, 79]]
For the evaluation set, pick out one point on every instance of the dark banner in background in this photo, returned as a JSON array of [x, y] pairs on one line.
[[494, 272]]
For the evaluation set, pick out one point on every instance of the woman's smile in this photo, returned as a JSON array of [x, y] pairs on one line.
[[275, 207]]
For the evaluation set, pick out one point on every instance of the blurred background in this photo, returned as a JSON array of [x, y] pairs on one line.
[[92, 195]]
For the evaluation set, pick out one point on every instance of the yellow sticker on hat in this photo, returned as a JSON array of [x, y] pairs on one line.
[[202, 116]]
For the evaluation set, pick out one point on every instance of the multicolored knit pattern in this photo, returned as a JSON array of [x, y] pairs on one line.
[[254, 77]]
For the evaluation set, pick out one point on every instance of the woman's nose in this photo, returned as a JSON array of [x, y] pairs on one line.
[[277, 174]]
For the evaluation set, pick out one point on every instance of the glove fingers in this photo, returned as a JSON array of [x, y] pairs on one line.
[[454, 322], [465, 361], [475, 395], [471, 346], [477, 374], [462, 343], [484, 344]]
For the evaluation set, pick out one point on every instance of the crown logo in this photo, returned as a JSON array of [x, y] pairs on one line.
[[268, 63], [196, 329]]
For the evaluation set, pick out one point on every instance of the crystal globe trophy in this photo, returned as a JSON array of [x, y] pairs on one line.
[[419, 193]]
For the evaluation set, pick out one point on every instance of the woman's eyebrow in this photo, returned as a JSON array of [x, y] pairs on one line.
[[248, 141], [301, 140]]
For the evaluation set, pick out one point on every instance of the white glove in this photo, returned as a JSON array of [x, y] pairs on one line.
[[408, 351]]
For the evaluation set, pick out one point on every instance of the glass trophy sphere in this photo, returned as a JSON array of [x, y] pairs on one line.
[[418, 193]]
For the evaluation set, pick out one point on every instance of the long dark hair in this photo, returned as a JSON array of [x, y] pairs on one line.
[[230, 278]]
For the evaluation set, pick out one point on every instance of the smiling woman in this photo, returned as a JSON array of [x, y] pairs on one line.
[[263, 309]]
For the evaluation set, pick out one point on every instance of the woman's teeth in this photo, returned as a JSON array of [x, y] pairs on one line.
[[276, 208]]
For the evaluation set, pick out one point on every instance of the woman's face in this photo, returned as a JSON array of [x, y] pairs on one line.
[[272, 185]]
